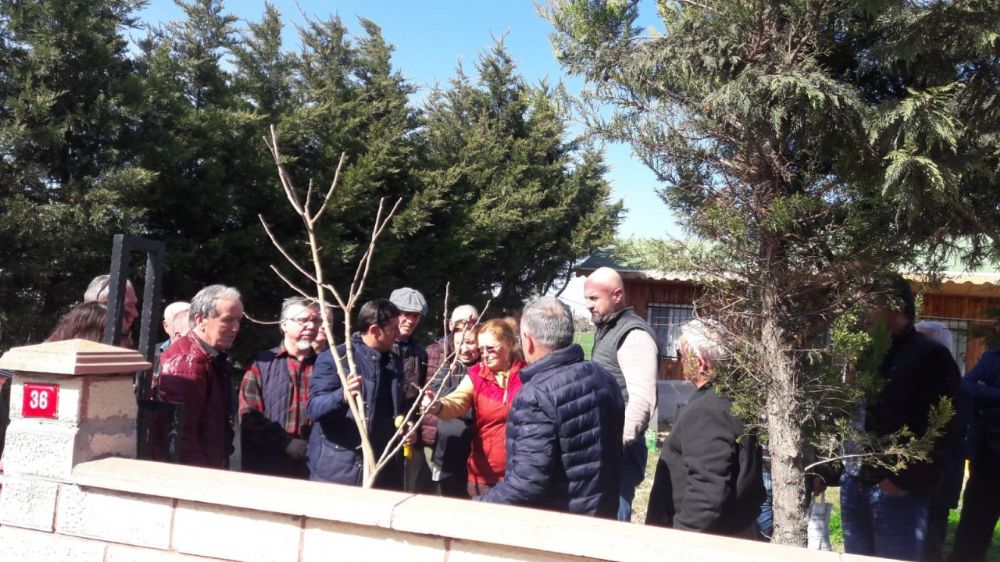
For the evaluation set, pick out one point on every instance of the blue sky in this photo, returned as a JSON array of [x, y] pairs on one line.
[[431, 38]]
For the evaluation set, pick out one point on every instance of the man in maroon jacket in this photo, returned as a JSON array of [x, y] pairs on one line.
[[195, 372]]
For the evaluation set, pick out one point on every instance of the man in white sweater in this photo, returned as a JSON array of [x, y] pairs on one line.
[[625, 346]]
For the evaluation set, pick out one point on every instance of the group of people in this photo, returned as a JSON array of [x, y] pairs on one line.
[[508, 411], [504, 410]]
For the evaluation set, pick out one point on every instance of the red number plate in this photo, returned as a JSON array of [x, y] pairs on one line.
[[40, 400]]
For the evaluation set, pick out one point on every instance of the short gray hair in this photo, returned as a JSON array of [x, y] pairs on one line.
[[288, 305], [705, 339], [98, 289], [549, 321], [207, 300]]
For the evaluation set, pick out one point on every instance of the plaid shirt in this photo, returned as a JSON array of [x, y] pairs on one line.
[[295, 424]]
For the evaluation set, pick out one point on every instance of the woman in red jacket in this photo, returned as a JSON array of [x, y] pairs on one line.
[[489, 390]]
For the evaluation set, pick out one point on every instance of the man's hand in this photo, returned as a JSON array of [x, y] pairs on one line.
[[429, 405], [353, 385], [296, 448], [889, 488]]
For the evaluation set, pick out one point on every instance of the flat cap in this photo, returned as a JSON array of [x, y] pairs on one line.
[[409, 300]]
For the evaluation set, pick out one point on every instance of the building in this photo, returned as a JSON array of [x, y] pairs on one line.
[[665, 299]]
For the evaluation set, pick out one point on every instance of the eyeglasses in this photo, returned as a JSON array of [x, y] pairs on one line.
[[314, 320], [491, 349]]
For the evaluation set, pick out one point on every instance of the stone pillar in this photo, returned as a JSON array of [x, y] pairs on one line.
[[71, 402]]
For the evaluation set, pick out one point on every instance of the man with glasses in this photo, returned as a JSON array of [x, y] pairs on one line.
[[274, 394]]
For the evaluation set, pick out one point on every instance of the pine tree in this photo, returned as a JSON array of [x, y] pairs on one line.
[[66, 180], [800, 141], [514, 201]]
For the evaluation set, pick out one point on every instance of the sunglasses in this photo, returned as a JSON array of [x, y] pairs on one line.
[[491, 349]]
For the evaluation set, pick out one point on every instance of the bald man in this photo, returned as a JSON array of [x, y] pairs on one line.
[[625, 345]]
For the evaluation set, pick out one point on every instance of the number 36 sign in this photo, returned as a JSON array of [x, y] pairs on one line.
[[40, 400]]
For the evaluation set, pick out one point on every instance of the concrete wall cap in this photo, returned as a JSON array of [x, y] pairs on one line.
[[74, 357]]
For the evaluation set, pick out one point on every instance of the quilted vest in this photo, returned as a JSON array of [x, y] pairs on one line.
[[490, 408], [609, 338]]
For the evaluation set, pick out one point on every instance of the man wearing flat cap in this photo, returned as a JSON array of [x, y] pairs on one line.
[[412, 308]]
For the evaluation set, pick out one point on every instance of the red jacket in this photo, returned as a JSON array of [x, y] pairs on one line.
[[488, 457], [200, 380]]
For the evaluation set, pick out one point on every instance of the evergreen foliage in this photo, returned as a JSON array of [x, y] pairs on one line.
[[163, 138], [818, 147]]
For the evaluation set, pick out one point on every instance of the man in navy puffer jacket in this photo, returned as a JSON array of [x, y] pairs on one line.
[[564, 430]]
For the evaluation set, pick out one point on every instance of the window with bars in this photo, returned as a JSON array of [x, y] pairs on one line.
[[666, 320]]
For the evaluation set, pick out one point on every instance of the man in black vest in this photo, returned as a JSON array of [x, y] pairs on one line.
[[274, 394], [625, 346]]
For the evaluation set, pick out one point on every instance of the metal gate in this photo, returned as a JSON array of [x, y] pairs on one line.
[[157, 423]]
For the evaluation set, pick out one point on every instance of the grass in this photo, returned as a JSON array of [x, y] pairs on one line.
[[586, 341]]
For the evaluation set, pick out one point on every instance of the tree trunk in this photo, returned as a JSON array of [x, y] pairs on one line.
[[784, 429]]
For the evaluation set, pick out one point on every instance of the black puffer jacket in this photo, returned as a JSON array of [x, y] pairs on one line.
[[564, 441]]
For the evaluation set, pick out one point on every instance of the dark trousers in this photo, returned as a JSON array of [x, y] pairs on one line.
[[980, 509], [937, 530], [453, 486]]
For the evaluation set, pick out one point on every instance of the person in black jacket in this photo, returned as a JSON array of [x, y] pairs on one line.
[[564, 430], [886, 513], [708, 478]]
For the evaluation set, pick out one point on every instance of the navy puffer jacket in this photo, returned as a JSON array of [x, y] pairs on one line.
[[564, 438]]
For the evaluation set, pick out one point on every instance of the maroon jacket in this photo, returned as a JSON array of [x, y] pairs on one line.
[[192, 375]]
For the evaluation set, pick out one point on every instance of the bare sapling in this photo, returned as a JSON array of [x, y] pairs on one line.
[[323, 290]]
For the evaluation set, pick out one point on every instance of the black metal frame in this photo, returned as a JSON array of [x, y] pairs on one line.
[[157, 423], [123, 247]]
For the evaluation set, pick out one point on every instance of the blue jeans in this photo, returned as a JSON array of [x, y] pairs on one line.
[[877, 524], [633, 470], [765, 521]]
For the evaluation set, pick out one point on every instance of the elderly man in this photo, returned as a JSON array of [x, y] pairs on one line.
[[447, 442], [564, 428], [884, 513], [97, 291], [195, 371], [274, 428], [334, 449], [412, 308], [625, 346], [709, 475], [464, 317], [175, 323]]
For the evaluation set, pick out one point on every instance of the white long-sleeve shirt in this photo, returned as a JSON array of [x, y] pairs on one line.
[[637, 358]]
